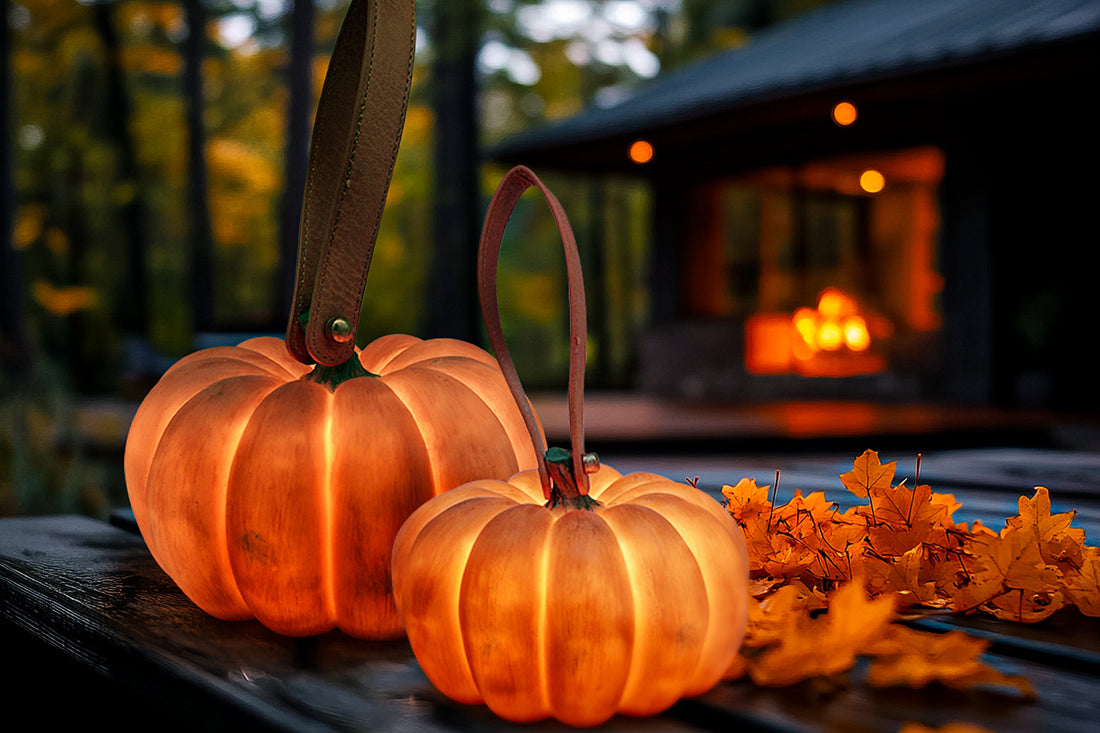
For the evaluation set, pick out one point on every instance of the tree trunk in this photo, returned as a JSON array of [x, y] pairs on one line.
[[14, 355], [299, 112], [452, 304], [131, 307], [200, 236]]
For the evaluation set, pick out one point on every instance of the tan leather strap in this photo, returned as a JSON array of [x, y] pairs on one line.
[[503, 203], [356, 135]]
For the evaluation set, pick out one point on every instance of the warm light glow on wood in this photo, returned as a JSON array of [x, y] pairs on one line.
[[844, 113], [266, 495], [872, 181], [641, 152]]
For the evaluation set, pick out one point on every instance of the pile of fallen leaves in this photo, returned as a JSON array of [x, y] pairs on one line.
[[829, 586]]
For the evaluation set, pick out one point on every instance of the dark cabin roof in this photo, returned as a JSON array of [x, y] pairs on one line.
[[890, 51]]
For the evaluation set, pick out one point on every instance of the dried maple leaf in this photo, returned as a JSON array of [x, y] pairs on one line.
[[869, 475], [1083, 587], [903, 575], [826, 645], [1009, 577], [902, 549], [746, 501], [1058, 542], [911, 658]]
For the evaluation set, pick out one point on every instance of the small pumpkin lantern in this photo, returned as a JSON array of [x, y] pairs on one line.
[[269, 479], [569, 591]]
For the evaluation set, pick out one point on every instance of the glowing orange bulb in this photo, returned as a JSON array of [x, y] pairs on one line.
[[641, 152], [872, 181], [844, 113]]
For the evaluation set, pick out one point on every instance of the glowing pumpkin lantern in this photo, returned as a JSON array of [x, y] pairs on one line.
[[569, 591], [271, 487]]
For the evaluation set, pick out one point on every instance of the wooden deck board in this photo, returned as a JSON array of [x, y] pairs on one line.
[[86, 609]]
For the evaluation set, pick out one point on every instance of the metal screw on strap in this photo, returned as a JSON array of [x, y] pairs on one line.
[[591, 462], [340, 330]]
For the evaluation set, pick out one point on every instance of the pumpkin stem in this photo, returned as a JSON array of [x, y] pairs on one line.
[[335, 375], [564, 488]]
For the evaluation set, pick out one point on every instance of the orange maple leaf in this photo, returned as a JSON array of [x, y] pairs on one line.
[[1011, 579], [746, 501], [1083, 587], [807, 647], [1059, 543], [900, 549], [912, 658], [869, 475]]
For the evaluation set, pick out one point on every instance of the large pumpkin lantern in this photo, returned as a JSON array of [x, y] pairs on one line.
[[569, 591], [269, 479]]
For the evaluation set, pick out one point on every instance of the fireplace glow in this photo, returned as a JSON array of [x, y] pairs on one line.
[[833, 339]]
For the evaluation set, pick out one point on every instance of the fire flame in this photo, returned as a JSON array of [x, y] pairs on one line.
[[832, 339], [835, 324]]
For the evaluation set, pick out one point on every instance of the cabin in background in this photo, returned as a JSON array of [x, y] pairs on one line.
[[932, 238]]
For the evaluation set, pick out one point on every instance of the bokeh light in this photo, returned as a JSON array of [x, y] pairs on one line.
[[641, 152]]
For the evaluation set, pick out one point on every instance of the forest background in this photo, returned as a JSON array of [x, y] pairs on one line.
[[151, 178]]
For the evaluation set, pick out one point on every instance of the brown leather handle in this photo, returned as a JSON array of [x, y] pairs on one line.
[[356, 135], [503, 203]]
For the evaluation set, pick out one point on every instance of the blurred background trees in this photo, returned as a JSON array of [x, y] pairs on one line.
[[153, 160]]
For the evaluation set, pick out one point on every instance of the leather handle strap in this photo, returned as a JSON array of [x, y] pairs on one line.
[[354, 144], [503, 203]]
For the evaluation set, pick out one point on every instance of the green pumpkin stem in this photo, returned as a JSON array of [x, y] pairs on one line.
[[564, 490], [335, 375]]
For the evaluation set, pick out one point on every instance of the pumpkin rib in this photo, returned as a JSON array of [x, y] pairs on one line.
[[369, 414], [501, 600], [669, 591], [378, 353], [275, 513], [445, 410], [328, 519], [187, 483], [478, 377], [275, 349], [414, 525], [591, 605], [424, 351], [431, 610], [726, 589], [254, 359], [174, 389]]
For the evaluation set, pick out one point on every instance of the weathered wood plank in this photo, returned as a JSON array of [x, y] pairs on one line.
[[93, 593]]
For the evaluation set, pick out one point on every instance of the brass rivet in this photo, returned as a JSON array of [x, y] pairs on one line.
[[340, 329], [591, 462]]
